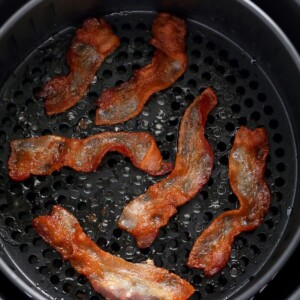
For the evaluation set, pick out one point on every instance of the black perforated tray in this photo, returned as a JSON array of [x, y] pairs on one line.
[[246, 98]]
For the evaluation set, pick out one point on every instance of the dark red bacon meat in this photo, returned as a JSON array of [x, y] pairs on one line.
[[121, 103], [247, 164], [146, 214], [111, 276], [91, 45], [46, 154]]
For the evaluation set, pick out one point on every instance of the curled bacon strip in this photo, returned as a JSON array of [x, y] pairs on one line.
[[247, 164], [46, 154], [111, 276], [121, 103], [143, 216], [91, 45]]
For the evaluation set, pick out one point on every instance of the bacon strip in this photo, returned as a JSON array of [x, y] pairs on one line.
[[91, 45], [143, 216], [121, 103], [247, 164], [111, 276], [46, 154]]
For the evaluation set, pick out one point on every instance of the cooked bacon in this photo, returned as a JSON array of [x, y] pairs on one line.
[[91, 45], [247, 164], [143, 216], [121, 103], [111, 276], [46, 154]]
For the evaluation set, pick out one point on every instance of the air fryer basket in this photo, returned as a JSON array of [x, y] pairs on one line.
[[233, 48]]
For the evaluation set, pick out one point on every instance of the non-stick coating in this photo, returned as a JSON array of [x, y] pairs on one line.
[[246, 98]]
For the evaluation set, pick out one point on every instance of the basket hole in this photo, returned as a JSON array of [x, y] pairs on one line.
[[229, 127], [117, 232], [57, 263], [172, 259], [192, 83], [54, 279], [208, 216], [277, 138], [82, 279], [245, 261], [234, 63], [221, 146], [121, 70], [280, 167], [274, 210], [224, 160], [102, 242], [231, 79], [242, 121], [273, 124], [253, 85], [255, 250], [204, 195], [268, 110], [279, 182], [208, 60], [70, 272], [197, 279], [33, 260], [9, 222], [220, 69], [236, 108], [107, 74], [196, 53], [125, 40], [244, 73], [279, 152], [262, 237], [173, 121], [68, 287], [165, 154], [37, 242], [126, 27], [210, 46], [141, 26], [206, 76], [209, 289], [255, 116], [137, 55], [24, 248], [223, 54], [139, 41], [197, 39], [222, 280], [175, 105], [261, 97], [170, 137], [82, 206], [233, 198], [241, 90], [194, 68]]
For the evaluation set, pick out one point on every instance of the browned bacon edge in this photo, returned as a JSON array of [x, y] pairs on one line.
[[247, 164], [146, 214], [111, 276], [46, 154], [90, 46], [123, 102]]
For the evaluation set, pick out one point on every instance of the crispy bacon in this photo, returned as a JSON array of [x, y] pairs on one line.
[[247, 164], [46, 154], [111, 276], [143, 216], [121, 103], [91, 45]]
